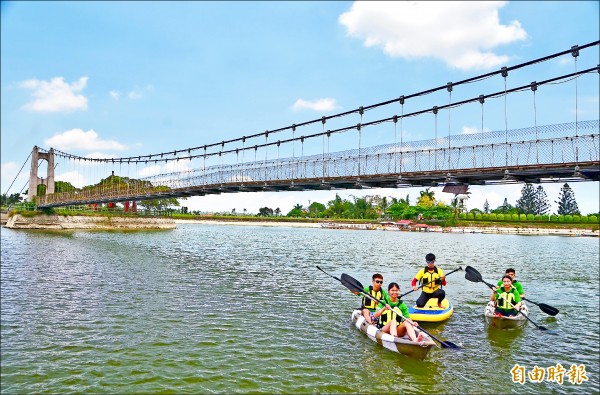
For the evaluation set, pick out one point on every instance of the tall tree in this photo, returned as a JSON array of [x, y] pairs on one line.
[[527, 202], [265, 212], [566, 201], [541, 201], [486, 207], [7, 200], [426, 198]]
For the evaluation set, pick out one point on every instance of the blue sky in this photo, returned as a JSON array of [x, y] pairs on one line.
[[133, 78]]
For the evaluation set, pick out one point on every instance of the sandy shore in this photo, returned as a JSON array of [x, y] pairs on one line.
[[249, 223], [466, 229]]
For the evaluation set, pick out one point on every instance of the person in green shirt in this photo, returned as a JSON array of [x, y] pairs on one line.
[[388, 316], [507, 298], [511, 272], [369, 306]]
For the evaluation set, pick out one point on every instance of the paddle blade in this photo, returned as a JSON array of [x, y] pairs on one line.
[[351, 283], [469, 276], [447, 344], [550, 310], [473, 273]]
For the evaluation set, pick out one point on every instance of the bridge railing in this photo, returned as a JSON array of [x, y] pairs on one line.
[[379, 160]]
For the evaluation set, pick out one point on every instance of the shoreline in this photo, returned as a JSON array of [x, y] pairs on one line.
[[289, 224], [140, 223], [532, 231]]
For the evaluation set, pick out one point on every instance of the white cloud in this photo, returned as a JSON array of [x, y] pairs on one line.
[[473, 130], [326, 104], [149, 171], [115, 94], [133, 95], [76, 179], [100, 155], [177, 166], [56, 95], [461, 34], [77, 139]]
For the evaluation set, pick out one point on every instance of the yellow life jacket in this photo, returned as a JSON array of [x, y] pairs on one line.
[[389, 315], [369, 303], [429, 278]]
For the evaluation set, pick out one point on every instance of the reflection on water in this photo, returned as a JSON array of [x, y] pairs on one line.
[[205, 308], [504, 339]]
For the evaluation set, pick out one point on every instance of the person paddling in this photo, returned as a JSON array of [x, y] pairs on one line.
[[506, 298], [369, 306], [511, 273], [388, 316], [433, 278]]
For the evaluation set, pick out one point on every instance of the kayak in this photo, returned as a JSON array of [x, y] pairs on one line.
[[431, 312], [501, 322], [401, 345]]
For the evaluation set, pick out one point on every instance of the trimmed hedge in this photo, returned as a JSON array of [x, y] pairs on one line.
[[529, 217]]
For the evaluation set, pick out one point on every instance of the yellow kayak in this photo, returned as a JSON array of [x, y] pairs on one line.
[[431, 312]]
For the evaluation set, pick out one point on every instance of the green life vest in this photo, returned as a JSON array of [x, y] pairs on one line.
[[503, 298]]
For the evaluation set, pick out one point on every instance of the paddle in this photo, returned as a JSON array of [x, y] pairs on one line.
[[473, 275], [355, 286], [421, 286], [328, 274], [545, 308]]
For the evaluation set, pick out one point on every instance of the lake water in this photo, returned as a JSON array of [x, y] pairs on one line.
[[237, 309]]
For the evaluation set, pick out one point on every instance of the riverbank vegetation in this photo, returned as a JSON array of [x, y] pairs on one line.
[[530, 210]]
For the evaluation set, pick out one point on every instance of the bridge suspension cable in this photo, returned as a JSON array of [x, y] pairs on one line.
[[359, 127], [503, 71]]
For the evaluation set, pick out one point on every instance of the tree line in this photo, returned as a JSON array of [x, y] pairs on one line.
[[533, 200]]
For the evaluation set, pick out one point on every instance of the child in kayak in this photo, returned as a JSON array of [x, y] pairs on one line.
[[388, 316], [506, 298]]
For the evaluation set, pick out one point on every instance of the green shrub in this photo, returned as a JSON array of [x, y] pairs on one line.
[[485, 217], [500, 217], [561, 218], [462, 216], [554, 218], [537, 217], [478, 216], [522, 217], [568, 218], [584, 219], [545, 217], [577, 218], [529, 217], [515, 217], [593, 218], [470, 216], [492, 216]]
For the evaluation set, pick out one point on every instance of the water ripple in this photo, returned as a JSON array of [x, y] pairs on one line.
[[226, 309]]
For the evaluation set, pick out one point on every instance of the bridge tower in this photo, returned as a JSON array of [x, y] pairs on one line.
[[34, 180]]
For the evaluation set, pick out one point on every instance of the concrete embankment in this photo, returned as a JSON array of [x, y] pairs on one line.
[[527, 231], [18, 221]]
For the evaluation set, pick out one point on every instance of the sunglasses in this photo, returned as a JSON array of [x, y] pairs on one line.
[[430, 261], [379, 281]]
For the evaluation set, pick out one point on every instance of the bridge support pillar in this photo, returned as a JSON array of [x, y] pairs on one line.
[[34, 180]]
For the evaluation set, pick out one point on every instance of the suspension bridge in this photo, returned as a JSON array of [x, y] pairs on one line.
[[299, 157]]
